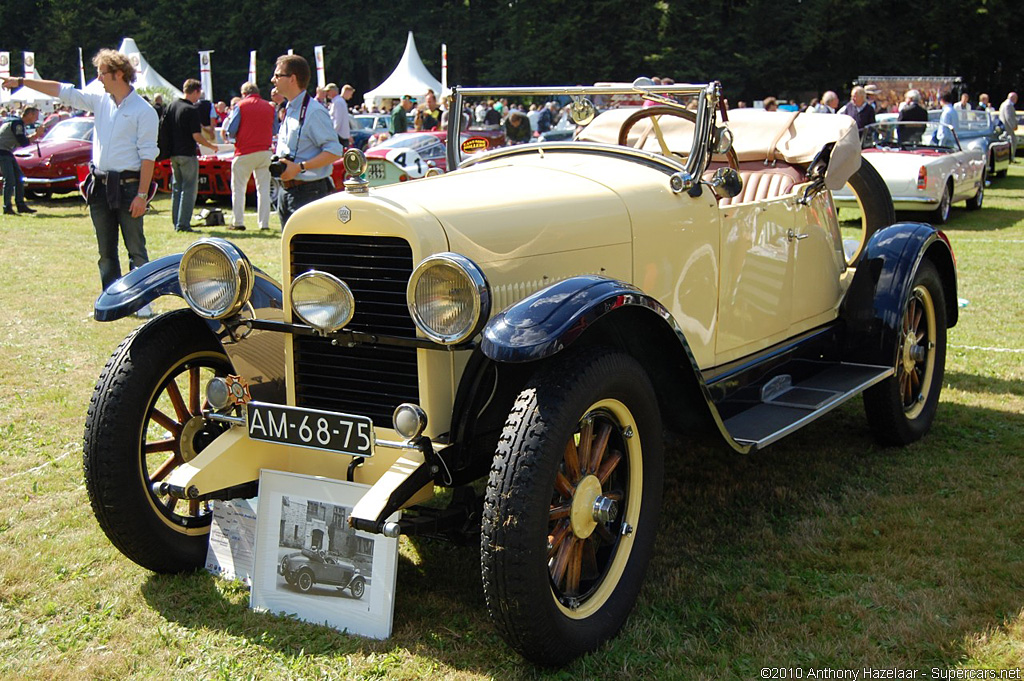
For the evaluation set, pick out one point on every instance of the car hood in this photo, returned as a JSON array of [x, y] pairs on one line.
[[55, 150], [519, 208]]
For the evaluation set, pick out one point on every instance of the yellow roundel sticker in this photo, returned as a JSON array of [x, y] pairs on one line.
[[474, 145]]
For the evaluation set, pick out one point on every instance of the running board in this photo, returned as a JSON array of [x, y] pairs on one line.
[[785, 408]]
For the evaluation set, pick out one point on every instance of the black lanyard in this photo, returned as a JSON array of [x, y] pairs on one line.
[[302, 121]]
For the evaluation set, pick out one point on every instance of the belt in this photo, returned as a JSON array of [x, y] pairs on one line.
[[127, 176], [291, 184]]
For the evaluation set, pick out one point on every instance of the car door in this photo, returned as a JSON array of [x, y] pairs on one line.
[[756, 277], [818, 263]]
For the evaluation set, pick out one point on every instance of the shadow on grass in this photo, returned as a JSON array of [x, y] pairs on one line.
[[983, 384], [824, 551], [1010, 182]]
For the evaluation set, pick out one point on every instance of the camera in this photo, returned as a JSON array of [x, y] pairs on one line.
[[278, 165]]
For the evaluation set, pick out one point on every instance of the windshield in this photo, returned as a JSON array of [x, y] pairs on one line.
[[908, 136], [72, 129]]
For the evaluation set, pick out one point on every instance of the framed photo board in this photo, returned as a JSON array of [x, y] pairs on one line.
[[310, 564], [232, 539]]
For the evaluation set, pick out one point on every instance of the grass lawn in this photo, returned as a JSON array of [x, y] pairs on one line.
[[825, 551]]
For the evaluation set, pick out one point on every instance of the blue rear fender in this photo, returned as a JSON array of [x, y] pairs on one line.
[[159, 278], [873, 308]]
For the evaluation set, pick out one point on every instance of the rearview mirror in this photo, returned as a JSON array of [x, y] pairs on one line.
[[726, 182]]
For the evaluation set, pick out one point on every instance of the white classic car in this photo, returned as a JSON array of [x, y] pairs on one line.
[[924, 167], [520, 330]]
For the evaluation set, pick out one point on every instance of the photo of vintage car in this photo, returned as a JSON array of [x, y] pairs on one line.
[[50, 166], [514, 336], [924, 166], [307, 568]]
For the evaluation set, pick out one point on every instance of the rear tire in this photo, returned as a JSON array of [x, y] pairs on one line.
[[901, 408], [976, 201], [941, 214]]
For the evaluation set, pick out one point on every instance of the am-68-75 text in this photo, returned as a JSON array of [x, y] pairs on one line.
[[345, 433]]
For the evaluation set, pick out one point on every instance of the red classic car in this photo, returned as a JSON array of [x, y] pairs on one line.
[[51, 164], [214, 174]]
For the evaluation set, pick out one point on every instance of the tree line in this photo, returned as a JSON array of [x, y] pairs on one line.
[[791, 49]]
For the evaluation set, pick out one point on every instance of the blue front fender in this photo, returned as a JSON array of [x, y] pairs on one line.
[[547, 321], [160, 278]]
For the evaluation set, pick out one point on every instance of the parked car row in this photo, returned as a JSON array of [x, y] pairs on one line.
[[930, 166]]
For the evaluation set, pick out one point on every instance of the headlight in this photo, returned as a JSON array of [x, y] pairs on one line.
[[215, 277], [449, 298], [322, 300]]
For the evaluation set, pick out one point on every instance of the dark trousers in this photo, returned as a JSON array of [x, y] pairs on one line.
[[291, 199], [108, 222], [13, 186]]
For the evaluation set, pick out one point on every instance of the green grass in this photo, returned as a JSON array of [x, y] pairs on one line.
[[825, 551]]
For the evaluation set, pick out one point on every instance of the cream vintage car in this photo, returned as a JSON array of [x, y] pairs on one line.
[[526, 326]]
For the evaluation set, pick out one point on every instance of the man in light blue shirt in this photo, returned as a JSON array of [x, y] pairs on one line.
[[949, 117], [124, 151], [306, 142]]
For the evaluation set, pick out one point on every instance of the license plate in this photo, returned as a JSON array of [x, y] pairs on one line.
[[311, 428], [375, 171]]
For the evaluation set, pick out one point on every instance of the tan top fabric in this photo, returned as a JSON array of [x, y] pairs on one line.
[[797, 140]]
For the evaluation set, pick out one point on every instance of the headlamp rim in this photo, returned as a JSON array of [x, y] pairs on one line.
[[332, 278], [241, 268], [481, 297]]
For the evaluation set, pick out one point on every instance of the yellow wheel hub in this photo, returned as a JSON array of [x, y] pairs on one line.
[[582, 514]]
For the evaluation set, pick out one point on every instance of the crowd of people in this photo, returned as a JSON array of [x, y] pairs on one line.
[[296, 137]]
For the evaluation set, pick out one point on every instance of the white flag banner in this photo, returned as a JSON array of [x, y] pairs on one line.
[[5, 64], [81, 68], [444, 69], [30, 65], [321, 77], [205, 74], [252, 67]]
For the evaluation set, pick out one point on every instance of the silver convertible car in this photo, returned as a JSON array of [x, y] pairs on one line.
[[924, 166], [517, 334]]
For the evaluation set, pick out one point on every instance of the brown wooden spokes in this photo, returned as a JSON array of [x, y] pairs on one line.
[[914, 354], [177, 402], [578, 556]]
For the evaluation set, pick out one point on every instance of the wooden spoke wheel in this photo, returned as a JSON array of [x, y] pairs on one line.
[[572, 502], [143, 423], [901, 408]]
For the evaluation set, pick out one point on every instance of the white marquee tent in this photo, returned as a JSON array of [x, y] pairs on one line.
[[410, 77], [145, 75]]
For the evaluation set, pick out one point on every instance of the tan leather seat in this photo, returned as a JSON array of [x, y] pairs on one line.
[[762, 182]]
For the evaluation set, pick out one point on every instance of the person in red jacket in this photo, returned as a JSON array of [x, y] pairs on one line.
[[251, 126]]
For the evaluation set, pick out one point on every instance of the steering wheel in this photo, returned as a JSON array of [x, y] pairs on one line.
[[664, 110]]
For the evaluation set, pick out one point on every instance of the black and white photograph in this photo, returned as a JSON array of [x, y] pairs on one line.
[[311, 564]]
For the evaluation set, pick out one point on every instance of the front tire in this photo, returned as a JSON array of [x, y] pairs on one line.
[[901, 408], [144, 422], [358, 587], [561, 569], [304, 581]]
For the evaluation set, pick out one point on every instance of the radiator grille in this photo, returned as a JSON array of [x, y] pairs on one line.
[[367, 380]]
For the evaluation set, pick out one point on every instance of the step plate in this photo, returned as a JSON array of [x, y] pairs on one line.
[[810, 399]]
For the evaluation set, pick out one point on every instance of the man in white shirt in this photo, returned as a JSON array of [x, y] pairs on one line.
[[339, 111], [124, 151], [1008, 115]]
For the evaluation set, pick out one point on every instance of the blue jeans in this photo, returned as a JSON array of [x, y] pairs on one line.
[[290, 200], [107, 222], [184, 187], [13, 186]]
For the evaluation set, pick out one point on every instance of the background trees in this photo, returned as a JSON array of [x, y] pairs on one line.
[[794, 49]]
